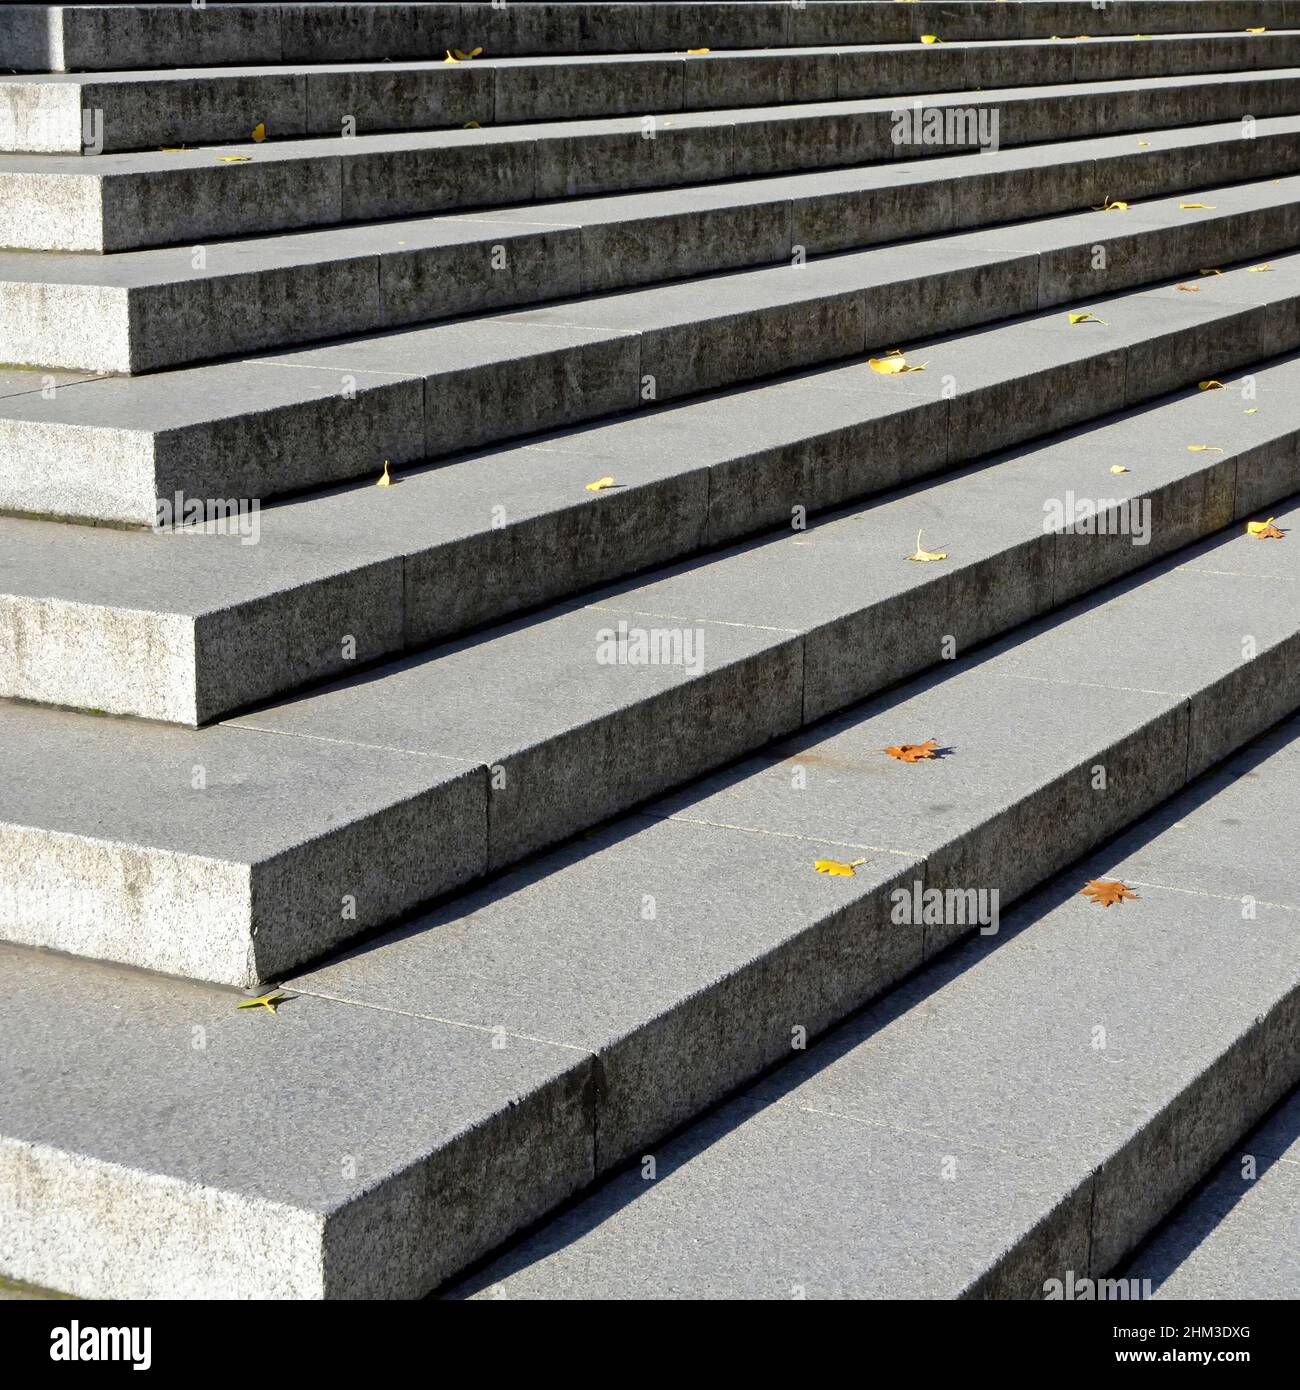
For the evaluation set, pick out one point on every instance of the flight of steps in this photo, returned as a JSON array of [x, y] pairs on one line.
[[513, 777]]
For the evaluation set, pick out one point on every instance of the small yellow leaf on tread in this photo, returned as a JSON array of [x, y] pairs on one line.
[[1203, 449], [1257, 269], [233, 158], [465, 57], [931, 38], [1188, 207], [1118, 468], [893, 363], [1086, 318], [1210, 385], [697, 50], [1213, 270], [270, 1002], [470, 125], [836, 869], [259, 132], [925, 555], [600, 485], [1118, 205], [385, 478], [1264, 530]]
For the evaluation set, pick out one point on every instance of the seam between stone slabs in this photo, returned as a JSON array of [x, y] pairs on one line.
[[437, 1018], [465, 762], [885, 1126], [1093, 685], [1204, 893], [905, 853], [694, 618], [1244, 574]]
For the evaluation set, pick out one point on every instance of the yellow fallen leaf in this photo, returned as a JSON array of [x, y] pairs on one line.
[[1256, 269], [600, 485], [1264, 530], [270, 1002], [233, 158], [449, 58], [1254, 410], [1108, 206], [931, 38], [1203, 449], [1191, 289], [470, 125], [893, 363], [1210, 385], [1187, 207], [1143, 36], [465, 57], [1118, 468], [697, 50], [1260, 30], [1086, 318], [836, 869], [174, 149], [1144, 144], [385, 478], [259, 132], [926, 554], [1212, 271]]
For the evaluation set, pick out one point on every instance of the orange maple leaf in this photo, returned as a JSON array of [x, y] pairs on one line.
[[1107, 892], [912, 752]]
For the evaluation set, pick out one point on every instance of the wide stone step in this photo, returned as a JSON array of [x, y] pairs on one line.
[[1013, 1120], [189, 627], [66, 113], [68, 38], [675, 955], [145, 310], [1237, 1235], [118, 202], [304, 417], [237, 852]]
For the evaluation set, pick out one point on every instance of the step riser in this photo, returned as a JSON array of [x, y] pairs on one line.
[[119, 212], [52, 469], [79, 38], [47, 119], [99, 328], [261, 923]]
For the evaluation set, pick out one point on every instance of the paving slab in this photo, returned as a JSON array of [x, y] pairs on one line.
[[220, 855], [267, 1156]]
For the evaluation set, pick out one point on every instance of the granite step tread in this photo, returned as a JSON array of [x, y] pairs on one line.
[[297, 418], [133, 110], [119, 202], [481, 1066], [94, 37], [1236, 1236], [146, 310]]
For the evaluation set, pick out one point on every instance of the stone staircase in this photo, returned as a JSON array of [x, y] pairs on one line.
[[546, 784]]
